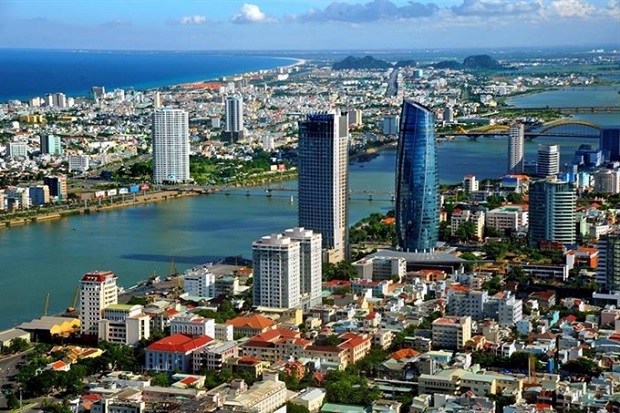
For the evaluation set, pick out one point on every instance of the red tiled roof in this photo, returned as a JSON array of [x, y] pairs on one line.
[[189, 380], [98, 276], [255, 321], [179, 343], [91, 397], [404, 353]]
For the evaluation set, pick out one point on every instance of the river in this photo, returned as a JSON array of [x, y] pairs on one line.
[[50, 257]]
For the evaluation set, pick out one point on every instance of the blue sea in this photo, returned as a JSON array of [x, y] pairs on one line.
[[26, 73]]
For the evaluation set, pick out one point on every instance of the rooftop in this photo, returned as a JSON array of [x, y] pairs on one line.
[[179, 343]]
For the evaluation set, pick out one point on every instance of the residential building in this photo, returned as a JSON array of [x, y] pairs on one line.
[[417, 180], [125, 324], [461, 216], [251, 325], [609, 142], [60, 101], [510, 310], [174, 353], [98, 290], [390, 124], [276, 272], [233, 128], [39, 195], [311, 398], [265, 396], [510, 217], [606, 181], [310, 265], [214, 356], [608, 269], [199, 282], [381, 268], [57, 185], [451, 332], [548, 160], [192, 325], [17, 149], [80, 163], [466, 302], [323, 160], [516, 146], [470, 184], [170, 146], [354, 117], [552, 206], [51, 144]]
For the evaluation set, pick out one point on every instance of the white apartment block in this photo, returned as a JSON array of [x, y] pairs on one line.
[[214, 356], [192, 325], [470, 184], [467, 303], [79, 163], [125, 324], [548, 160], [199, 282], [98, 290], [17, 149], [451, 332], [263, 397], [516, 146], [310, 265], [381, 268], [170, 146], [277, 265], [606, 181], [511, 217], [461, 216], [510, 310]]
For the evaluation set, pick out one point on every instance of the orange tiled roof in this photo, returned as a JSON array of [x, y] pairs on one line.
[[179, 343], [404, 353], [255, 321]]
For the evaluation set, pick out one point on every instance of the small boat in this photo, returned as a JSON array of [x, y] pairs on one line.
[[292, 200]]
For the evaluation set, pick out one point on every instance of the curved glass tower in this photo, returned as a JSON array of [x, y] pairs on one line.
[[417, 180]]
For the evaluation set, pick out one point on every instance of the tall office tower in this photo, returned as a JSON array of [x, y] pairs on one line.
[[170, 146], [57, 185], [609, 142], [51, 144], [97, 291], [233, 128], [608, 269], [276, 272], [552, 212], [311, 268], [417, 180], [516, 144], [390, 125], [39, 195], [323, 206], [548, 160]]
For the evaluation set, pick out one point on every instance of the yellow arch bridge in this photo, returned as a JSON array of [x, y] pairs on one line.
[[560, 129]]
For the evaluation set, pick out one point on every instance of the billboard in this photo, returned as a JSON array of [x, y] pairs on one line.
[[144, 187], [134, 188], [123, 191], [112, 192], [100, 194]]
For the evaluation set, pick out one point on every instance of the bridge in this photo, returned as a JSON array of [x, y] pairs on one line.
[[572, 110], [284, 191], [556, 129]]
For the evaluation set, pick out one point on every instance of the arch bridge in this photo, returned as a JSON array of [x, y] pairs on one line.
[[560, 129]]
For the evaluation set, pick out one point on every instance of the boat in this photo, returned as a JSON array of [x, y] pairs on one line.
[[292, 200]]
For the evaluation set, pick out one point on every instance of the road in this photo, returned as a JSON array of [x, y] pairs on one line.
[[392, 88], [9, 367]]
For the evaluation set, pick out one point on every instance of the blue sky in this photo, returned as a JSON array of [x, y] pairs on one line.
[[305, 25]]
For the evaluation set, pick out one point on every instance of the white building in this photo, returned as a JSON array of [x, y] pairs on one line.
[[79, 163], [17, 149], [381, 268], [470, 184], [516, 145], [606, 181], [451, 332], [323, 152], [467, 303], [548, 160], [60, 101], [511, 217], [461, 216], [98, 290], [193, 325], [311, 267], [510, 310], [170, 146], [199, 282], [124, 324], [391, 124], [277, 272]]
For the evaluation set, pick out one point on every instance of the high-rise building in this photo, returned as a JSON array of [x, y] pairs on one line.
[[51, 144], [276, 272], [608, 269], [448, 114], [609, 143], [60, 100], [417, 180], [548, 160], [470, 184], [97, 291], [57, 185], [39, 195], [170, 146], [552, 212], [516, 145], [323, 153], [17, 149], [390, 125], [310, 268], [234, 118]]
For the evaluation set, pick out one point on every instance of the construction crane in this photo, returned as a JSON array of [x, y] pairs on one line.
[[532, 380], [47, 304], [172, 271], [71, 308]]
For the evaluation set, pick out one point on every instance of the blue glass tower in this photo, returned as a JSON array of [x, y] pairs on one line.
[[417, 180]]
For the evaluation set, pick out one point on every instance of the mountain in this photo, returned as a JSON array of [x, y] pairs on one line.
[[405, 63], [481, 61], [368, 62], [448, 64]]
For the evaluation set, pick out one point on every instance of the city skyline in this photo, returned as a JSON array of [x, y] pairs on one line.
[[307, 25]]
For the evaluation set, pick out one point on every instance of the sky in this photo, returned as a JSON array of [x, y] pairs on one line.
[[306, 24]]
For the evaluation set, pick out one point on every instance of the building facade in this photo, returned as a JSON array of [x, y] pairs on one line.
[[125, 324], [199, 282], [276, 272], [170, 146], [451, 332], [51, 144], [98, 290], [323, 153], [516, 145], [470, 184], [417, 180], [608, 269], [552, 206], [310, 265], [548, 160], [609, 142], [234, 118]]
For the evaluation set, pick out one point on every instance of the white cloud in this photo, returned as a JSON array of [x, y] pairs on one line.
[[250, 13], [572, 8], [196, 19]]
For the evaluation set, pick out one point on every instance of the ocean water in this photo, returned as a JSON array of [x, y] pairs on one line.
[[28, 73]]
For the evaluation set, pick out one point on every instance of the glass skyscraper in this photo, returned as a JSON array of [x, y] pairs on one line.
[[417, 180]]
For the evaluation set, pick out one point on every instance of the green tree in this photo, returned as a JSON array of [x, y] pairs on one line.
[[466, 231], [18, 345], [515, 198], [161, 380], [295, 408]]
